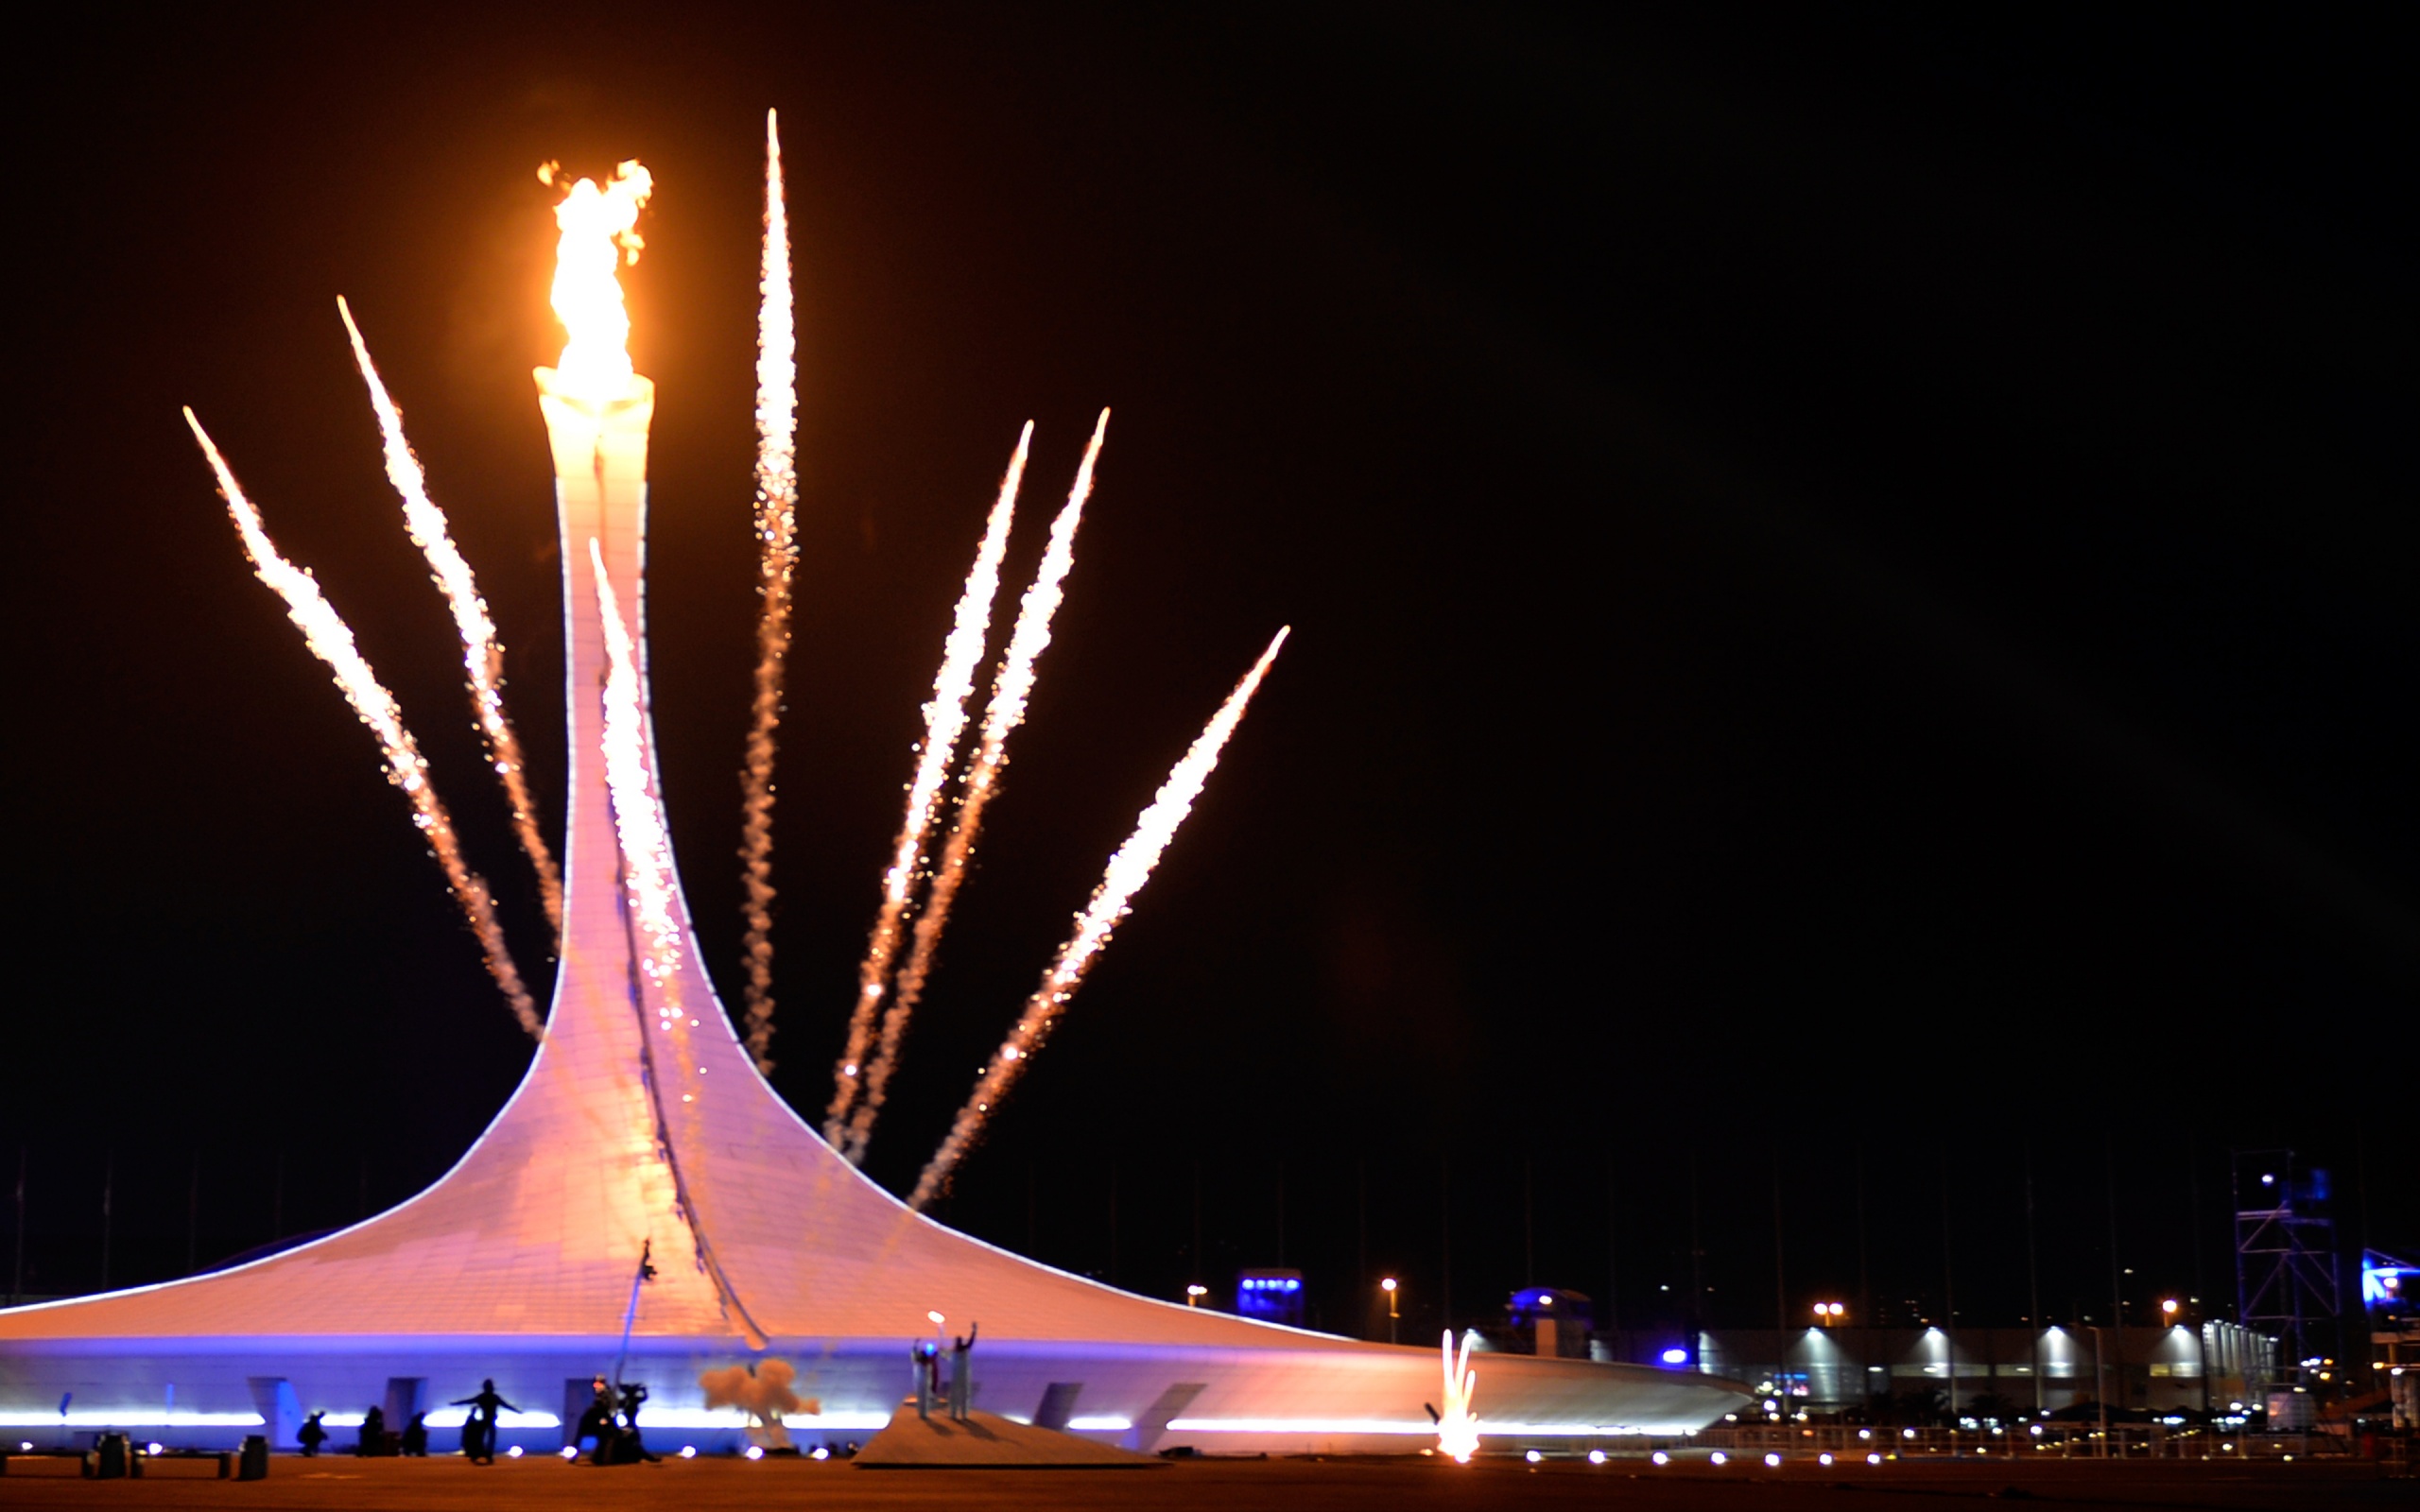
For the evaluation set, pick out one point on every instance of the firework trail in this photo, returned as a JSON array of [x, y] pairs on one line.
[[482, 654], [944, 721], [1011, 688], [654, 921], [638, 822], [1129, 869], [777, 540], [332, 642]]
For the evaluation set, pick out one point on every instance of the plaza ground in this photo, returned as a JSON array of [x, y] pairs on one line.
[[1407, 1484]]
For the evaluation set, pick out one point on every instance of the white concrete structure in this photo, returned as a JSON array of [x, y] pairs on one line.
[[520, 1262]]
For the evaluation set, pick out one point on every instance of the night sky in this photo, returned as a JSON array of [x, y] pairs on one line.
[[1852, 618]]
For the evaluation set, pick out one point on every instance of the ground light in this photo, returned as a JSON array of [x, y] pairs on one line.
[[819, 1452], [514, 1452], [1873, 1459], [1772, 1462], [756, 1451], [1822, 1459], [1718, 1457], [570, 1452], [1659, 1457], [1595, 1457], [688, 1452], [1533, 1457]]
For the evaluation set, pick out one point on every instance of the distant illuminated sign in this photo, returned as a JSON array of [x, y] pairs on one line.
[[2385, 1281], [1271, 1295], [1676, 1356]]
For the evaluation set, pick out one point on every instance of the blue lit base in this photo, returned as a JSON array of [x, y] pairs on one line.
[[186, 1393]]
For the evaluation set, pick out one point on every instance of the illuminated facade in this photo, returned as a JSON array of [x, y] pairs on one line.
[[2028, 1370], [523, 1263]]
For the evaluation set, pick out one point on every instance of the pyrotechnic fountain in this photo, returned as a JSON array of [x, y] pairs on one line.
[[777, 559], [645, 1195], [1129, 869], [1010, 687], [482, 653], [944, 721], [332, 641], [1457, 1424]]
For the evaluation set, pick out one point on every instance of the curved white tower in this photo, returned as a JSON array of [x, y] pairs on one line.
[[519, 1264]]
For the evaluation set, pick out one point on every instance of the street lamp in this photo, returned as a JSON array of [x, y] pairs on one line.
[[1388, 1287], [1828, 1313], [2167, 1310], [1195, 1293]]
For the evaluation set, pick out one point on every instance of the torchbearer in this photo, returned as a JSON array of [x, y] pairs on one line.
[[961, 1382]]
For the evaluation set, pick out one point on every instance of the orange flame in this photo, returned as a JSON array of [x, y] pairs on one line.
[[599, 235]]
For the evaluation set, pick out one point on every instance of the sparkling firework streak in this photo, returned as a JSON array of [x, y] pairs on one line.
[[1129, 869], [1456, 1425], [944, 721], [638, 821], [1012, 687], [655, 926], [482, 654], [332, 642], [777, 543]]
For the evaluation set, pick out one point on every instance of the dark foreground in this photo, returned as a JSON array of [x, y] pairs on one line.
[[1409, 1484]]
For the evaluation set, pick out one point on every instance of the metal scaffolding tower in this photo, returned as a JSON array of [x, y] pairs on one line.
[[2285, 1256]]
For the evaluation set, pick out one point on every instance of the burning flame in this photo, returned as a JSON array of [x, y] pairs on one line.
[[482, 653], [1012, 686], [1129, 869], [944, 721], [331, 641], [599, 235], [777, 544], [1458, 1426]]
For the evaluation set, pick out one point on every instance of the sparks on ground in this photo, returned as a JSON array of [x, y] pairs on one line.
[[1456, 1425]]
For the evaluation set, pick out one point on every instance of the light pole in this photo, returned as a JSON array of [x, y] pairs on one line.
[[1394, 1314], [1195, 1293]]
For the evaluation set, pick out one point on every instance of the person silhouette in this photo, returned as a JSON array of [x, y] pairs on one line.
[[628, 1447], [961, 1383], [596, 1422], [373, 1434], [924, 1363], [416, 1436], [479, 1430], [311, 1435]]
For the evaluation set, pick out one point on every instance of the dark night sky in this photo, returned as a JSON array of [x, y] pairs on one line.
[[1850, 605]]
